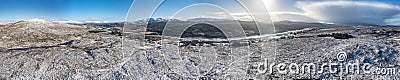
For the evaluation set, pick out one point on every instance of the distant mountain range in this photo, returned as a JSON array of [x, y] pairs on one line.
[[158, 20], [157, 24], [208, 19]]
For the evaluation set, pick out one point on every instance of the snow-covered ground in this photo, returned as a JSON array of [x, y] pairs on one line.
[[106, 56]]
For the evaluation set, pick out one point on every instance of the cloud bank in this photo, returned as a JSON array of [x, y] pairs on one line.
[[290, 16], [69, 21], [342, 12], [348, 12], [282, 5]]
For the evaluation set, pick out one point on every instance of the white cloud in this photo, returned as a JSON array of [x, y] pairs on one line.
[[394, 21], [69, 21], [219, 15], [349, 12], [292, 16], [93, 22], [36, 20], [282, 5], [5, 22], [107, 21], [342, 12]]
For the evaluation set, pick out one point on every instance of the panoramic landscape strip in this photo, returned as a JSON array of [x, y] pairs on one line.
[[200, 39]]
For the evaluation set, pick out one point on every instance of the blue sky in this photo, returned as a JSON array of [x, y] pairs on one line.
[[116, 10], [83, 10], [107, 10]]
